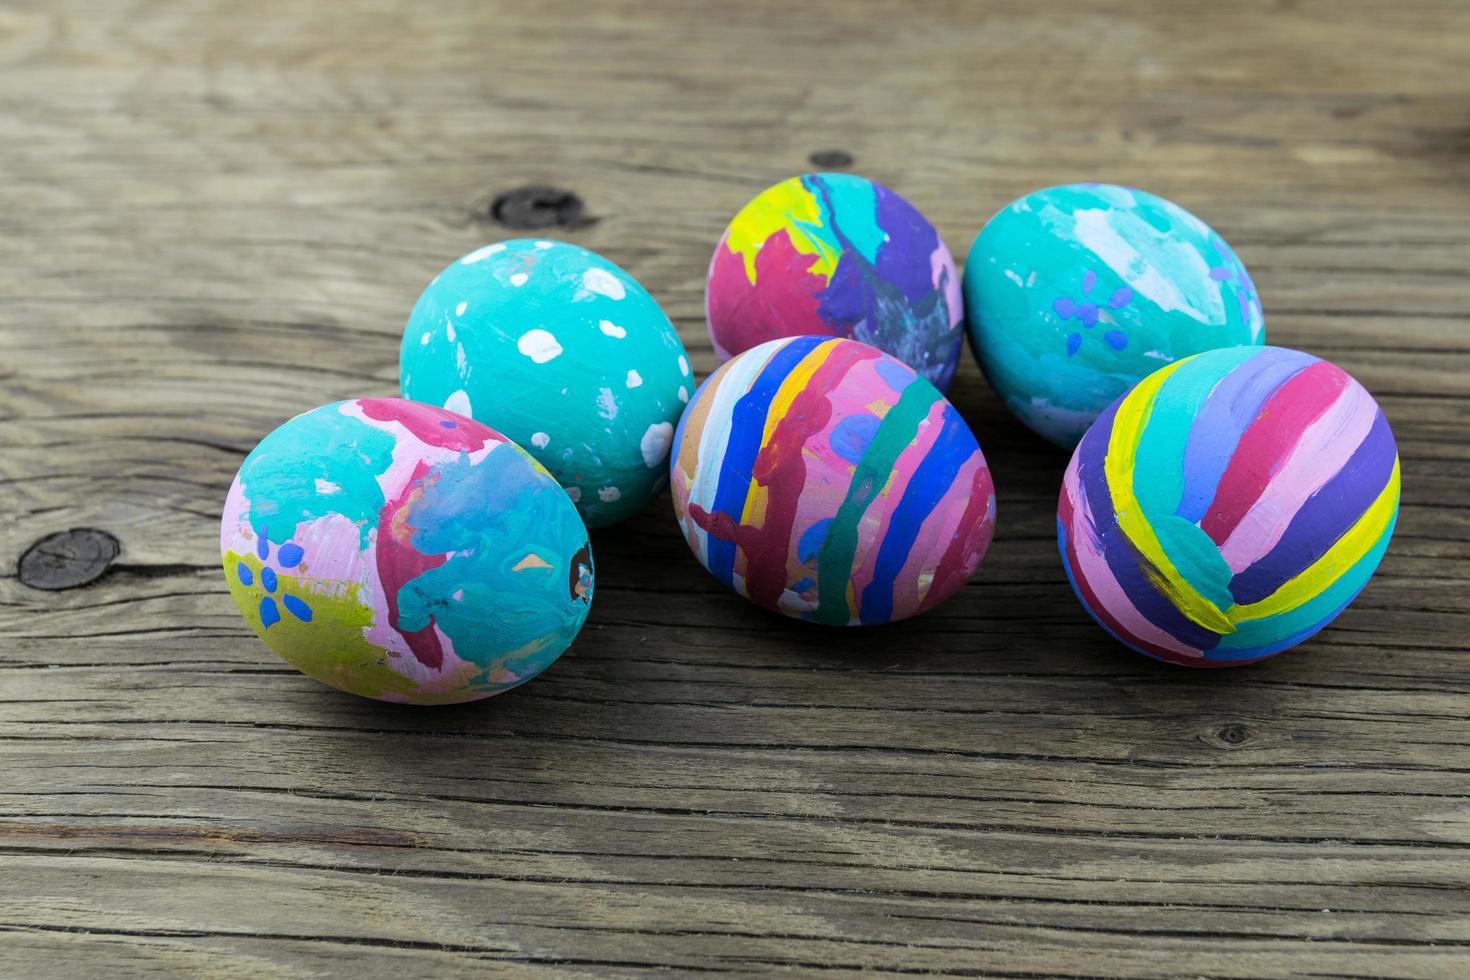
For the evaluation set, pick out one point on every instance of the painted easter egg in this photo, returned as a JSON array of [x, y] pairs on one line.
[[563, 352], [835, 255], [1229, 506], [1076, 293], [402, 552], [823, 479]]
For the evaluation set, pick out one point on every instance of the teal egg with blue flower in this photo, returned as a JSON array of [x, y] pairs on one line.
[[402, 552], [1076, 293], [566, 354]]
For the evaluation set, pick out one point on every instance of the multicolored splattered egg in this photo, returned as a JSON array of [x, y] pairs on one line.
[[835, 255], [405, 553], [1076, 293], [1229, 506], [563, 352], [824, 479]]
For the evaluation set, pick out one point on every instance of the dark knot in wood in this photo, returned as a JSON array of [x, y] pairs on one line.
[[68, 559], [538, 207], [1233, 735], [831, 159]]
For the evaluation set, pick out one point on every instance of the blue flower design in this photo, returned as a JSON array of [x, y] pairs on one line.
[[288, 555], [1088, 313], [1230, 270]]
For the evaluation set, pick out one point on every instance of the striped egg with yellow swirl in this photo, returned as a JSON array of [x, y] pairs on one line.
[[1229, 506], [825, 480]]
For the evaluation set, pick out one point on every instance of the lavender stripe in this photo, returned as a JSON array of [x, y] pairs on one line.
[[1223, 418], [1326, 516]]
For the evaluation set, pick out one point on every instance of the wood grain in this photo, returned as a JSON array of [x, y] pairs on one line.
[[215, 215]]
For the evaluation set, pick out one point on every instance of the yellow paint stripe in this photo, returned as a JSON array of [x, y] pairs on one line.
[[788, 205], [1129, 421], [1346, 552], [755, 496]]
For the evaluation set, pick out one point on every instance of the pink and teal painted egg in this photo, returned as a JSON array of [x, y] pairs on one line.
[[825, 480], [835, 255], [406, 553], [1229, 506]]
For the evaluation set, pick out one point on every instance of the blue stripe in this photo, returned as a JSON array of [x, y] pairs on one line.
[[932, 479], [747, 425]]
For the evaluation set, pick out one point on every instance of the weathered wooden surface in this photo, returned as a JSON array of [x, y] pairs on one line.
[[215, 215]]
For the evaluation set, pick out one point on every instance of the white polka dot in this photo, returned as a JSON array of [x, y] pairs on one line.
[[574, 494], [459, 310], [683, 364], [634, 379], [684, 394], [458, 402], [607, 405], [449, 330], [612, 329], [539, 345], [540, 439], [603, 283], [327, 486], [609, 494], [480, 254], [655, 443], [424, 340], [542, 243], [519, 279]]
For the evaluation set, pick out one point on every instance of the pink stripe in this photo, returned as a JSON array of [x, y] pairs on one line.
[[935, 534], [1267, 443], [871, 535], [1093, 569], [1323, 450]]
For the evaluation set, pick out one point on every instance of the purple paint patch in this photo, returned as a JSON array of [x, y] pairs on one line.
[[1116, 339], [894, 373], [851, 436], [903, 259]]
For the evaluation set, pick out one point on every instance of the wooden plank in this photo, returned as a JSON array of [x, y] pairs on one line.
[[213, 216]]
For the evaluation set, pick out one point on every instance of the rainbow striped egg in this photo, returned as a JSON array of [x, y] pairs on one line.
[[1229, 506], [823, 479]]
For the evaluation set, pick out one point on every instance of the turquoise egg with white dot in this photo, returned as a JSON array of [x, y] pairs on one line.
[[1074, 294], [565, 353]]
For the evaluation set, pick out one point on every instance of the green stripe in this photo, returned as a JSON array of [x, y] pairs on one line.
[[894, 435]]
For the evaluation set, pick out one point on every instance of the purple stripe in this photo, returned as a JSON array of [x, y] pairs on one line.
[[1225, 415], [1126, 564], [1326, 516]]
